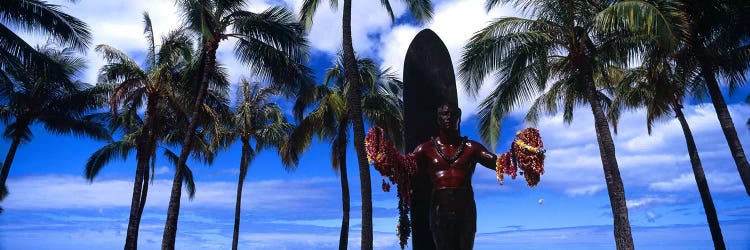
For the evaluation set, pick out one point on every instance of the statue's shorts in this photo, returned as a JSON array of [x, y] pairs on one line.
[[453, 218]]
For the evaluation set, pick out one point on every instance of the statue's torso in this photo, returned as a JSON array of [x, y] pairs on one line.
[[446, 174]]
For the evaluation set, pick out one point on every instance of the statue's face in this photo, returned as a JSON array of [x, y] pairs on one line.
[[448, 117]]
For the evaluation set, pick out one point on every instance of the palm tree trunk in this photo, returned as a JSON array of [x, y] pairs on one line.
[[238, 203], [345, 202], [146, 145], [730, 133], [146, 174], [131, 239], [6, 165], [623, 235], [355, 110], [146, 178], [700, 179], [173, 212], [144, 193]]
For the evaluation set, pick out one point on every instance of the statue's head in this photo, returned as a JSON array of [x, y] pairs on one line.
[[448, 116]]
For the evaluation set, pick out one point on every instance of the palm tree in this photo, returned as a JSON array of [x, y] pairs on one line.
[[30, 95], [37, 17], [660, 88], [272, 43], [329, 120], [717, 48], [130, 124], [421, 10], [256, 119], [562, 52], [156, 84]]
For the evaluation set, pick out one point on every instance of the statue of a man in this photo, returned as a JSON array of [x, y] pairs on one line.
[[450, 160]]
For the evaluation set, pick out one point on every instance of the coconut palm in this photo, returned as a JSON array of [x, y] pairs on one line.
[[255, 119], [717, 48], [661, 89], [421, 11], [37, 17], [329, 120], [156, 84], [131, 125], [31, 95], [272, 43], [554, 59]]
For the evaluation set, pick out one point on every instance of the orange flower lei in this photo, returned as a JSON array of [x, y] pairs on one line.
[[398, 169], [527, 153]]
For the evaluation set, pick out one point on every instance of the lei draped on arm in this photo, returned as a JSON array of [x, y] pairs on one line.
[[398, 168], [527, 153]]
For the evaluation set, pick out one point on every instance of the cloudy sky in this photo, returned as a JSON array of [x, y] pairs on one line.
[[52, 206]]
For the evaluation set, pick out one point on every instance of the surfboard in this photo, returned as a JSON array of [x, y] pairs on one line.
[[429, 81]]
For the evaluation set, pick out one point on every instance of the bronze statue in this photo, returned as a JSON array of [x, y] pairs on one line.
[[436, 200], [450, 161]]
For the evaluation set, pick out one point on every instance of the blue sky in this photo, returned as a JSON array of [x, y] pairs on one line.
[[52, 206]]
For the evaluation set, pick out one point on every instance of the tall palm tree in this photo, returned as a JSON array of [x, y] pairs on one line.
[[329, 120], [558, 54], [155, 84], [272, 43], [256, 119], [130, 124], [421, 10], [37, 17], [33, 94], [717, 47], [661, 88]]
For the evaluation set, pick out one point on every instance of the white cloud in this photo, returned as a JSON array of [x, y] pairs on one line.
[[717, 182], [73, 192], [661, 164], [649, 201], [455, 22], [162, 170], [587, 190], [368, 19]]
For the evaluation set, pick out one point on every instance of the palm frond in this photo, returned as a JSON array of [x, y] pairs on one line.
[[62, 124], [270, 63], [148, 31], [307, 11], [664, 20], [276, 27], [40, 17], [489, 49], [119, 65], [105, 154], [18, 129], [421, 10], [187, 174]]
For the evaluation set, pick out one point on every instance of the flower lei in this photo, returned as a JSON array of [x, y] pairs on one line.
[[397, 168], [527, 153]]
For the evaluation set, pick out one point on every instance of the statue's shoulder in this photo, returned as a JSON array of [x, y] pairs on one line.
[[423, 146], [474, 144], [470, 141]]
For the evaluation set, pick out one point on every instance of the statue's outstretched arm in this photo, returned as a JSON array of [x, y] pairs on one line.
[[385, 158], [485, 157]]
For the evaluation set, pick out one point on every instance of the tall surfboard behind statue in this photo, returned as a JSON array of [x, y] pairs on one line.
[[428, 82]]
